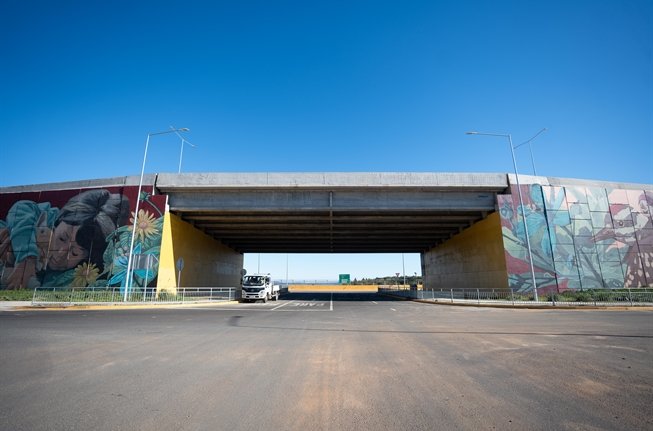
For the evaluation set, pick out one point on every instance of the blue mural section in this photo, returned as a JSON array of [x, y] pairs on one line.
[[581, 237]]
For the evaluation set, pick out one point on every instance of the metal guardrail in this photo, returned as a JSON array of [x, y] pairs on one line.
[[106, 296], [621, 297]]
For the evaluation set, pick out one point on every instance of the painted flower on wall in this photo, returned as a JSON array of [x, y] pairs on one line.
[[145, 225], [85, 275], [118, 260], [147, 242]]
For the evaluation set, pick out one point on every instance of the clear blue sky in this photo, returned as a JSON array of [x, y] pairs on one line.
[[326, 86]]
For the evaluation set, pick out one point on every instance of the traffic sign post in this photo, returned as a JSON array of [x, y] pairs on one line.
[[180, 267]]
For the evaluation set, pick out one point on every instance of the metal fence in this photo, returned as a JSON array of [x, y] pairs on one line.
[[90, 296], [629, 297]]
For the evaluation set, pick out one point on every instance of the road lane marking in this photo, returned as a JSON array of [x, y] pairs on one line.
[[393, 309], [374, 302], [283, 305], [331, 305], [297, 310], [217, 309]]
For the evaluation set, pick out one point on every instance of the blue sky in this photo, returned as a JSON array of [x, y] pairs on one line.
[[326, 86]]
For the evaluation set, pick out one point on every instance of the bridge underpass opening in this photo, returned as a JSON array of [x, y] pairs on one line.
[[327, 271], [301, 231], [335, 213], [456, 248], [361, 232]]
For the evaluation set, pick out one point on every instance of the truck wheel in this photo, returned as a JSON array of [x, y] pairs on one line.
[[265, 299]]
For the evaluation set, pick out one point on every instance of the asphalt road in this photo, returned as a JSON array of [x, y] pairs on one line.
[[326, 362]]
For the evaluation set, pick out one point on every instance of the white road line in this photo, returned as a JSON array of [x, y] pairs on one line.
[[374, 302], [331, 305], [282, 305], [393, 309], [299, 310], [217, 309]]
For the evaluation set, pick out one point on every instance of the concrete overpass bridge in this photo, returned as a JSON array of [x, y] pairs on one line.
[[332, 212], [467, 227]]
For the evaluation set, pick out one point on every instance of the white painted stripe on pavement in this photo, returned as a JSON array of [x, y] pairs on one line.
[[283, 305], [218, 309]]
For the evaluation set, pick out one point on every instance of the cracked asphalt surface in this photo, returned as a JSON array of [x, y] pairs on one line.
[[321, 361]]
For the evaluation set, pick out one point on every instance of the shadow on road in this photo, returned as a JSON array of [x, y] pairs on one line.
[[236, 321], [339, 297]]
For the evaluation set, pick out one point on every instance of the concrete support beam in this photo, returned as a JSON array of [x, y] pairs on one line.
[[434, 180], [314, 200]]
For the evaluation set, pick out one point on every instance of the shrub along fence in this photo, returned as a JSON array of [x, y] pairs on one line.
[[603, 297], [54, 295]]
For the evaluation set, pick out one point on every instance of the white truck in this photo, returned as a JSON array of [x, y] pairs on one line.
[[259, 286]]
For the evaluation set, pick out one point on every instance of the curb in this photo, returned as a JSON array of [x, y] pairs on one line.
[[530, 307], [117, 306]]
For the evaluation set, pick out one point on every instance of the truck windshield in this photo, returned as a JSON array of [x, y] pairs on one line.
[[253, 281]]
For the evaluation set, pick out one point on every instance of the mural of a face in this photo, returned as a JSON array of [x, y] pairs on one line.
[[77, 238], [65, 253]]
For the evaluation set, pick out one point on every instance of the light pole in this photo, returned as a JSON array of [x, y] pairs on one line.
[[130, 260], [530, 148], [521, 202], [183, 141]]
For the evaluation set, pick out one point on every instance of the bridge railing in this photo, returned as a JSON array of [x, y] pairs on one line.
[[622, 297], [106, 296]]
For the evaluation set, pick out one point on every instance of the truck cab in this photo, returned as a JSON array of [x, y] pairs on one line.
[[259, 286]]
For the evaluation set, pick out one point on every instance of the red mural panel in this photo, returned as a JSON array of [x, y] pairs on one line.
[[79, 237]]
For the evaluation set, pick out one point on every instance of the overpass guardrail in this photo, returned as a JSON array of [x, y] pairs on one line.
[[107, 296], [621, 297]]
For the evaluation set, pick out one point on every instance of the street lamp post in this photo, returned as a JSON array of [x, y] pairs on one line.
[[183, 141], [521, 202], [530, 148], [130, 260]]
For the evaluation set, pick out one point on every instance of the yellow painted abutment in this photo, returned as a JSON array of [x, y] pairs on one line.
[[207, 262]]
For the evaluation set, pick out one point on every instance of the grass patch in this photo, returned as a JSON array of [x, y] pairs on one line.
[[16, 295], [602, 295]]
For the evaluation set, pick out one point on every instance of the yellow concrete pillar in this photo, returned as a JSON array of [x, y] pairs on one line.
[[207, 262]]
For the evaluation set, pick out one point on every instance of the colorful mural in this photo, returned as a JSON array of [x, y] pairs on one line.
[[78, 238], [581, 237]]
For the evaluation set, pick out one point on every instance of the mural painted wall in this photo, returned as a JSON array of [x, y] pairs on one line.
[[79, 238], [581, 237]]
